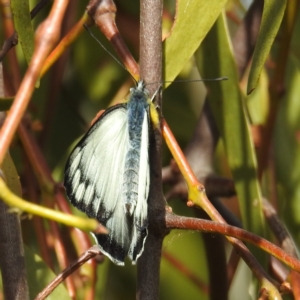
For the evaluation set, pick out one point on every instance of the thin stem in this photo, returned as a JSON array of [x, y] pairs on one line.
[[148, 268], [14, 201], [179, 222], [92, 252]]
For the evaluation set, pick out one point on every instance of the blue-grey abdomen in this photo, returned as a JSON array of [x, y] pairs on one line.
[[137, 114]]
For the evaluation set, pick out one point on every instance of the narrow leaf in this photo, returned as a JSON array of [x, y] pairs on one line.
[[193, 20], [215, 59], [22, 21], [271, 19]]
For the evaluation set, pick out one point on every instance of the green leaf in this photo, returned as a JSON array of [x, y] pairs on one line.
[[215, 59], [39, 275], [24, 28], [193, 21], [271, 19]]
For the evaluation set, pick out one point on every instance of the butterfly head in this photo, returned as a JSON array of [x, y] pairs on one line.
[[141, 88]]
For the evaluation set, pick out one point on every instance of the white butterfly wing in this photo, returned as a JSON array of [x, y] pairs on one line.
[[140, 217], [93, 177]]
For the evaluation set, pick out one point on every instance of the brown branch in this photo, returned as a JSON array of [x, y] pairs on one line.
[[148, 268], [87, 255], [8, 44], [179, 222], [103, 13]]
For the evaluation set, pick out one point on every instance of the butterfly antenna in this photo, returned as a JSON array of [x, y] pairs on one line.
[[197, 80], [189, 80], [97, 40]]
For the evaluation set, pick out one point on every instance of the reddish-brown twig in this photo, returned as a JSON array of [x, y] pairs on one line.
[[179, 222], [103, 13]]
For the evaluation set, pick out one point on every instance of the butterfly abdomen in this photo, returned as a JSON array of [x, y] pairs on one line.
[[130, 183], [137, 112]]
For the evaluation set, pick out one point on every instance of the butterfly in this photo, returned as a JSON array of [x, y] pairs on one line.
[[107, 175]]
